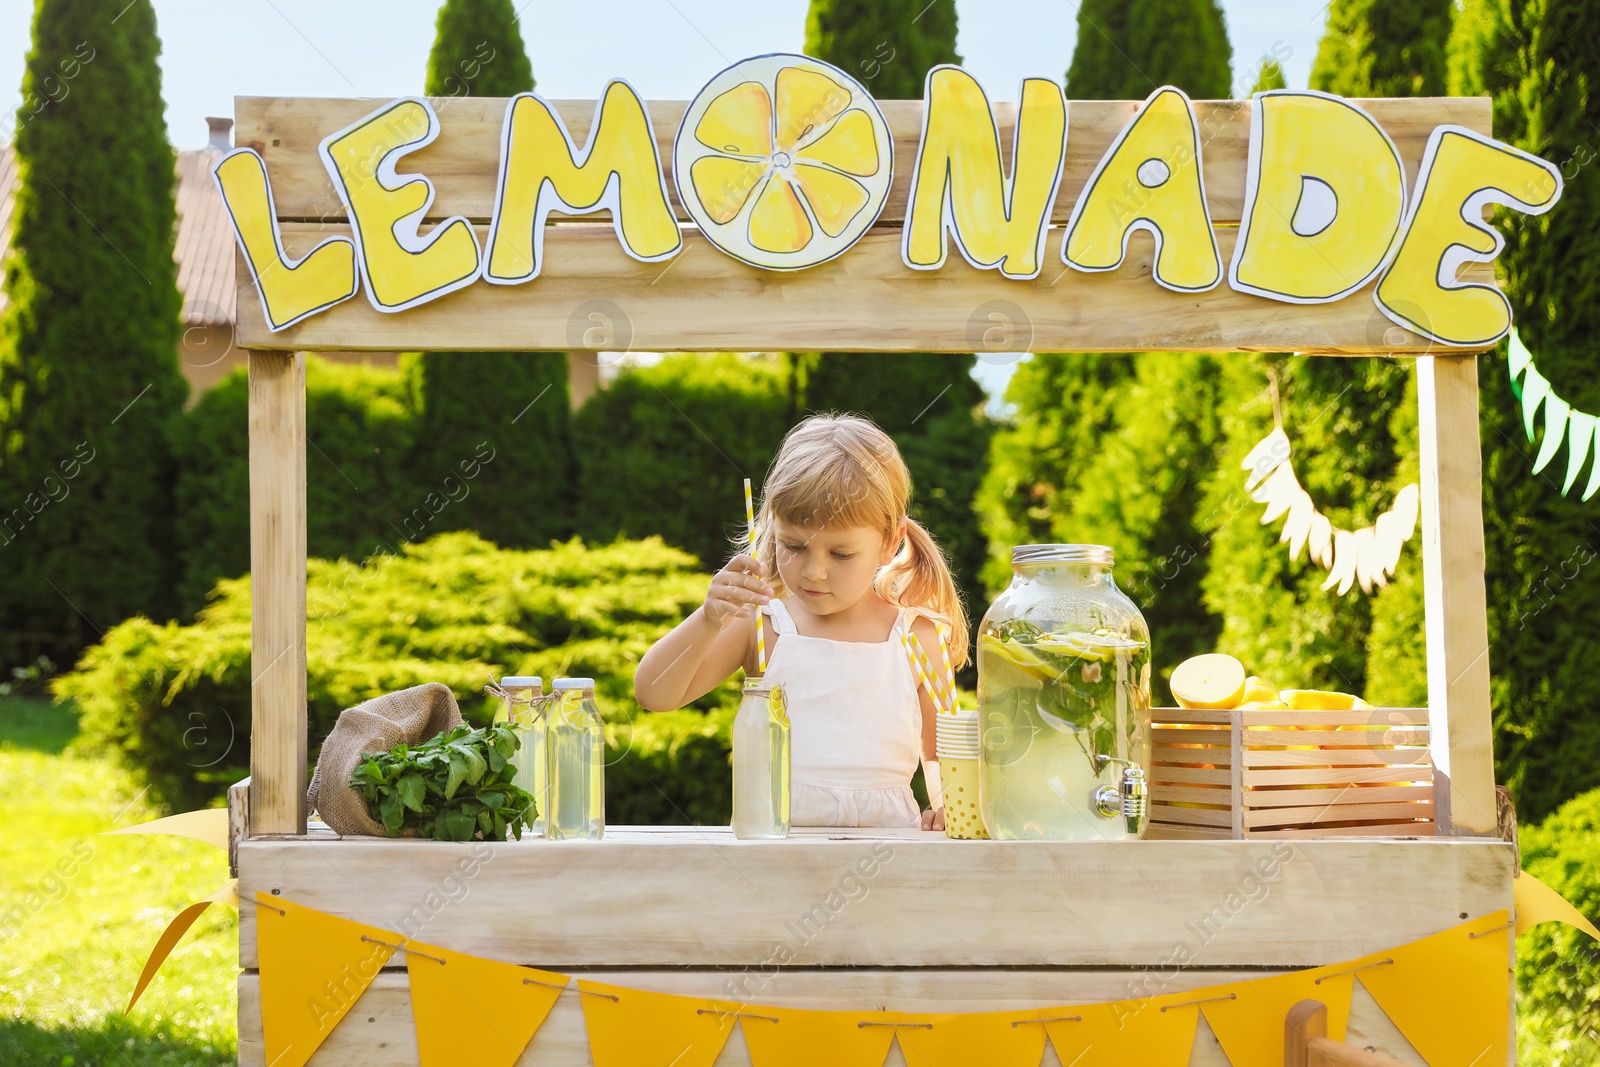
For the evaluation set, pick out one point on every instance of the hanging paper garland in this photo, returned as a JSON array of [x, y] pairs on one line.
[[1368, 555], [1561, 422]]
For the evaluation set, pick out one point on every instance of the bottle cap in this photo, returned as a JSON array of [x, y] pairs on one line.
[[521, 681], [571, 683]]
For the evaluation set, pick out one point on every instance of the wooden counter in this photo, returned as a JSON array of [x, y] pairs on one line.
[[899, 920]]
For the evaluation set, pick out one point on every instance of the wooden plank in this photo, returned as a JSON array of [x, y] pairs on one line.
[[716, 902], [1340, 757], [1390, 737], [463, 162], [1325, 813], [277, 417], [1256, 778], [1357, 794], [1327, 834], [1396, 717], [1165, 831], [1211, 757], [866, 300], [1222, 817], [238, 821], [379, 1030], [1455, 603], [1192, 775], [1205, 735], [1191, 716], [1162, 793]]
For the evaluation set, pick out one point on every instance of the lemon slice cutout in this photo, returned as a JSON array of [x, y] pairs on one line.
[[783, 161], [1213, 682]]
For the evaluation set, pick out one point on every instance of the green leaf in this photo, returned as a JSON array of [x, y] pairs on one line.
[[456, 826], [477, 766], [458, 773], [392, 812], [411, 791]]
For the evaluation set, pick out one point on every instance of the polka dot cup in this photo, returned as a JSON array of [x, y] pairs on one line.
[[962, 818]]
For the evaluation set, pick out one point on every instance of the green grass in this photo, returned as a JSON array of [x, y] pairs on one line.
[[79, 913]]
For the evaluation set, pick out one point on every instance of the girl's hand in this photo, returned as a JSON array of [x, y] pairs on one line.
[[933, 819], [736, 591]]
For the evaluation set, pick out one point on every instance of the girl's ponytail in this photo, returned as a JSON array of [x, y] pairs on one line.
[[920, 576]]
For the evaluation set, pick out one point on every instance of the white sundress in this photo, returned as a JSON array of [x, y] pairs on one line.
[[855, 725]]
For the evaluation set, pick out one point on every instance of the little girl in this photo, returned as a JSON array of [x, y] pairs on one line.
[[839, 573]]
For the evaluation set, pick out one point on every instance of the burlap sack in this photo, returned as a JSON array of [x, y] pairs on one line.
[[412, 716]]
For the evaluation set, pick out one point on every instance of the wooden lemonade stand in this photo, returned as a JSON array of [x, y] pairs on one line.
[[856, 919]]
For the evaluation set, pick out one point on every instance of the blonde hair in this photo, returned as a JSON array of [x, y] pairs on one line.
[[840, 472]]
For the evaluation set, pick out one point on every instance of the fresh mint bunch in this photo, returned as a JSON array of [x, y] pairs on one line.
[[420, 787]]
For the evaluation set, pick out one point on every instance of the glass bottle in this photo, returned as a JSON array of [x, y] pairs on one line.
[[761, 763], [1063, 701], [576, 744], [523, 705]]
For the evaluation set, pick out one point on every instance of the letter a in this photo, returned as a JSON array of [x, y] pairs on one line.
[[960, 187], [540, 172], [1153, 169], [401, 267]]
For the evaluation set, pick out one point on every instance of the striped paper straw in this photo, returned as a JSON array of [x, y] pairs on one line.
[[911, 657], [750, 536], [925, 671], [949, 668]]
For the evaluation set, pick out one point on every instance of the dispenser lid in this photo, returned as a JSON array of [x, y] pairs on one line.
[[571, 683], [1100, 554], [521, 681]]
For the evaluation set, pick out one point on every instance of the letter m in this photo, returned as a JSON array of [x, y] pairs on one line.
[[541, 171]]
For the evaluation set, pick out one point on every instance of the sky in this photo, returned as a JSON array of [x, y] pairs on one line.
[[215, 49]]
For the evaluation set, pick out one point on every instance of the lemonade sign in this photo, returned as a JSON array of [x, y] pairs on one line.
[[784, 163]]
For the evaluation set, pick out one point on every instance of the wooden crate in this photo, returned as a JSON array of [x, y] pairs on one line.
[[1246, 774]]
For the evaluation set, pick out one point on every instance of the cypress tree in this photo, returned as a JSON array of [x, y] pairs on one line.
[[1114, 447], [1541, 67], [1126, 49], [928, 402], [89, 376], [517, 402], [1383, 48], [1269, 77]]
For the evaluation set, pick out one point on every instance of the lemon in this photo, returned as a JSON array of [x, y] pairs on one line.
[[1212, 682], [783, 161], [1257, 691], [1318, 700]]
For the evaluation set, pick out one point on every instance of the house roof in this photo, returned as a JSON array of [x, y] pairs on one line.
[[204, 247]]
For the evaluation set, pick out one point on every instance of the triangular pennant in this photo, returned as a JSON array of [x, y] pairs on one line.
[[207, 824], [472, 1010], [1555, 430], [1535, 387], [1538, 903], [1450, 994], [1517, 359], [633, 1028], [798, 1037], [1249, 1023], [992, 1038], [314, 967], [1580, 438], [1153, 1032], [174, 933]]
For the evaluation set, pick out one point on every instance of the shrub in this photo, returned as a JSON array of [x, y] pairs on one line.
[[360, 494], [665, 449], [1558, 968], [174, 701]]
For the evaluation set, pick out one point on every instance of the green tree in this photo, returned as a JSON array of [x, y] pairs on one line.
[[518, 402], [1539, 62], [1127, 49], [89, 372], [887, 45], [1384, 48], [1269, 77]]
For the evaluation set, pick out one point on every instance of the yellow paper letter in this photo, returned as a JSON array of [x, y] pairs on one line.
[[290, 289], [401, 267], [959, 185], [1324, 198], [1150, 180], [1461, 172], [540, 172]]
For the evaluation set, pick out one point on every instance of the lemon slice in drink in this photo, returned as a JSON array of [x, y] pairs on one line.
[[783, 161]]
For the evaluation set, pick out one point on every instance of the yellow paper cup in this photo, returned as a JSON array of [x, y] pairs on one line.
[[962, 818]]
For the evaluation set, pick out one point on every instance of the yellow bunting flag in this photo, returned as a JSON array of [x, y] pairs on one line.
[[1449, 994], [992, 1038], [1538, 903], [796, 1037], [1153, 1032], [472, 1010], [177, 928], [1248, 1017], [633, 1028], [208, 824], [314, 967]]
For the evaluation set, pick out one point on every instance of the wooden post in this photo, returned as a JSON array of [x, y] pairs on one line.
[[278, 592], [1306, 1042], [1456, 605]]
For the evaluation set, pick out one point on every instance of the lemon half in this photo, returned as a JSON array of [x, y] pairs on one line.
[[783, 161], [1212, 682]]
